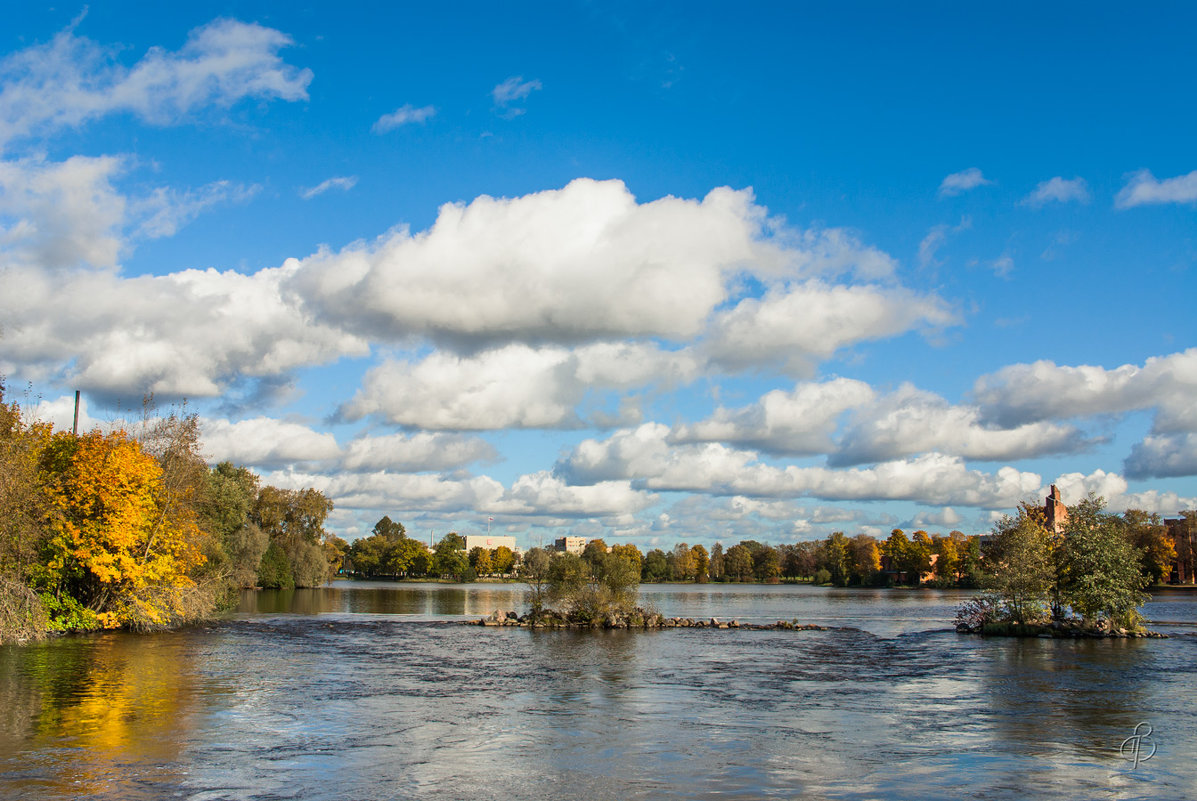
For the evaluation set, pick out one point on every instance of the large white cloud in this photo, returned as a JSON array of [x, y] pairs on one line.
[[581, 262], [1023, 393], [72, 80], [191, 333], [395, 492], [516, 386], [265, 442], [645, 457], [416, 452], [542, 493], [799, 422], [795, 326], [910, 421], [1163, 456], [60, 214], [537, 495], [1113, 488]]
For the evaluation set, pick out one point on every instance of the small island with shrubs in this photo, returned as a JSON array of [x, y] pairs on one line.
[[1062, 572]]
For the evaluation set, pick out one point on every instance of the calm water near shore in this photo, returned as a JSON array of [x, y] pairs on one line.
[[369, 691]]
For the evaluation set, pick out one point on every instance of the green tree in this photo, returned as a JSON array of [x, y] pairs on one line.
[[921, 549], [535, 571], [295, 520], [403, 555], [1022, 571], [590, 592], [766, 563], [717, 565], [246, 546], [274, 573], [388, 529], [1100, 571], [947, 561], [449, 557], [656, 565], [737, 562], [901, 557], [595, 552]]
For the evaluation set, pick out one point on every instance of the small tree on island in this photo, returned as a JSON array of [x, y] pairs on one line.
[[596, 590], [1036, 576], [1099, 567]]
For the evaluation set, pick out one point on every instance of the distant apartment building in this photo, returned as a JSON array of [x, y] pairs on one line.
[[574, 545], [489, 543]]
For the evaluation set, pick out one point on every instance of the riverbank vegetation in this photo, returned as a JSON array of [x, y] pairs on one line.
[[131, 529], [1083, 578]]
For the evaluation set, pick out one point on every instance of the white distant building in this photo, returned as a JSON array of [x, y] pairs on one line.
[[488, 542], [574, 545]]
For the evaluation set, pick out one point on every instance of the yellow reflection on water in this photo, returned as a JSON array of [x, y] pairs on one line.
[[109, 714]]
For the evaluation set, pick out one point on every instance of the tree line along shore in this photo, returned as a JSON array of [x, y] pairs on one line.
[[132, 529]]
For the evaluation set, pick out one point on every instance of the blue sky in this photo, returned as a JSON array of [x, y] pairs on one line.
[[684, 272]]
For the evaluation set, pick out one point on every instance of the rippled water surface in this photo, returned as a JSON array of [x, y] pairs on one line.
[[374, 691]]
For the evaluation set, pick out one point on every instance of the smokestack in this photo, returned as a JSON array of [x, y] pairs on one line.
[[75, 425]]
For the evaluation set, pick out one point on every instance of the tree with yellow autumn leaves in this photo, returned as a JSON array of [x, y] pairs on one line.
[[122, 530]]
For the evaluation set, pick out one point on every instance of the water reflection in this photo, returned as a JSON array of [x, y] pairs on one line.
[[87, 706], [370, 691], [427, 600]]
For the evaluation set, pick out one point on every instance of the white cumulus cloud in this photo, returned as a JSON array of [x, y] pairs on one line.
[[798, 422], [514, 386], [265, 442], [419, 452], [797, 325], [909, 421], [187, 334]]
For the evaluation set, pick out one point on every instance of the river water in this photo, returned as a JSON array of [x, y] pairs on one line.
[[372, 691]]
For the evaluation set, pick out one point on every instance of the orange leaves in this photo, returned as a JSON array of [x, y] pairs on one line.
[[111, 539]]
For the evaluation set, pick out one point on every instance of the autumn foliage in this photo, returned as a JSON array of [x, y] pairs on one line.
[[112, 530]]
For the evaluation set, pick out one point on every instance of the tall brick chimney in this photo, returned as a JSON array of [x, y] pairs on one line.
[[1055, 511]]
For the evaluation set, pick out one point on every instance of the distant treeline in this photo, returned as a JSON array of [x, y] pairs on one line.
[[920, 559], [952, 560], [133, 530]]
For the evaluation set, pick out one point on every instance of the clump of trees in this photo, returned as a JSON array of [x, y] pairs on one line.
[[132, 530], [598, 588], [389, 553], [1090, 575]]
